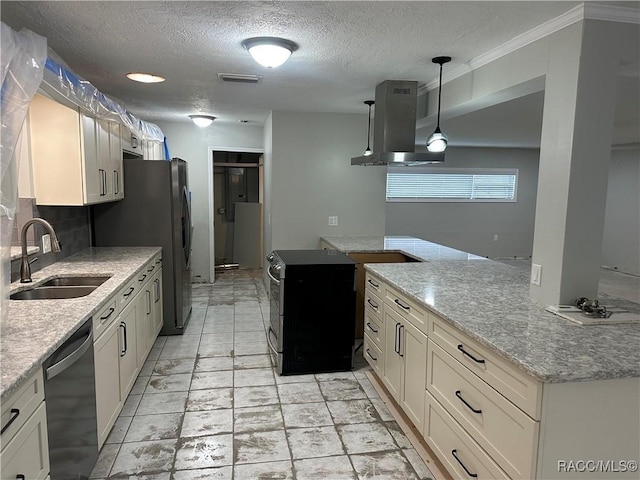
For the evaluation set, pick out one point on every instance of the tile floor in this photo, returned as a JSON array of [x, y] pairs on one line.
[[207, 405]]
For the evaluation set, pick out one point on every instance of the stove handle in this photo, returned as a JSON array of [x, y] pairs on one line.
[[273, 349], [272, 277]]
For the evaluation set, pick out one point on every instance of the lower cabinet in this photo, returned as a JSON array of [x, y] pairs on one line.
[[107, 364], [128, 325], [157, 305]]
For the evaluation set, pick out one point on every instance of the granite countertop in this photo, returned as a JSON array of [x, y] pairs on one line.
[[16, 252], [33, 329], [417, 248], [490, 301]]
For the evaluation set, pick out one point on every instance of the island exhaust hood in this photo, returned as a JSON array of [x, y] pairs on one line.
[[394, 128]]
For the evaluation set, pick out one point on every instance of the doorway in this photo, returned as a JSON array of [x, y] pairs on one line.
[[237, 209]]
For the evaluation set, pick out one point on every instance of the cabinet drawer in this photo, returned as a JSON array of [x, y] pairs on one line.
[[28, 453], [127, 293], [375, 285], [104, 318], [373, 355], [409, 309], [457, 451], [373, 328], [17, 408], [373, 304], [523, 390], [507, 434]]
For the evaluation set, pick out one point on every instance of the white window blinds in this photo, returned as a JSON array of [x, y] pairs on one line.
[[422, 184]]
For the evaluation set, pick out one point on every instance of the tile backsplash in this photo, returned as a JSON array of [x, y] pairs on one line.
[[71, 224]]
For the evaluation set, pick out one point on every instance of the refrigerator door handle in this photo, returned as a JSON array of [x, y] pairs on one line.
[[187, 228]]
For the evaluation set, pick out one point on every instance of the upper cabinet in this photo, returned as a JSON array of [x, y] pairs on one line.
[[147, 149], [76, 159]]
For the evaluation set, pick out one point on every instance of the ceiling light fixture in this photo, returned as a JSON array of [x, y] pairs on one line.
[[145, 77], [367, 150], [202, 120], [270, 52], [437, 141]]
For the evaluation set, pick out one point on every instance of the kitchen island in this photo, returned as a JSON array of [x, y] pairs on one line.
[[566, 392]]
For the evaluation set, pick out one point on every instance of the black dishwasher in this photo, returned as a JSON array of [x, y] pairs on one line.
[[312, 319], [70, 398]]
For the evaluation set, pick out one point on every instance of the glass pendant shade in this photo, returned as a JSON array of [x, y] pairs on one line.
[[437, 141], [270, 52]]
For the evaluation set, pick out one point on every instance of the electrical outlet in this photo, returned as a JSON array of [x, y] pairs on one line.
[[495, 237], [333, 221], [46, 243], [536, 274]]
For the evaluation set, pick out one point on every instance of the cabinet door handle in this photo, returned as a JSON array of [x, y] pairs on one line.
[[15, 413], [129, 292], [157, 290], [111, 310], [102, 188], [124, 338], [373, 284], [371, 328], [372, 304], [396, 345], [148, 302], [455, 455], [116, 182], [406, 307], [461, 348], [372, 357], [459, 395], [400, 349]]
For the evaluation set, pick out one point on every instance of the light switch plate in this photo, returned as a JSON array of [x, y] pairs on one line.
[[46, 243], [536, 274], [333, 221]]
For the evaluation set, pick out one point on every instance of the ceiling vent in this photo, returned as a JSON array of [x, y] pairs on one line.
[[239, 78]]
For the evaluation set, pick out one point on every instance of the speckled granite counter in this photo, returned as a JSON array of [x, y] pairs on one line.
[[35, 329], [411, 246], [490, 301], [16, 252]]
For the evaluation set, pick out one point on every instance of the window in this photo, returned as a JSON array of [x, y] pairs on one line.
[[434, 184]]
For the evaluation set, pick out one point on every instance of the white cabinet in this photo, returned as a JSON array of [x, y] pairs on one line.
[[130, 142], [128, 324], [109, 400], [76, 159], [152, 150], [25, 448], [157, 302]]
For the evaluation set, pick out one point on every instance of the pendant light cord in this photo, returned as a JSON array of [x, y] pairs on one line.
[[439, 97], [369, 129]]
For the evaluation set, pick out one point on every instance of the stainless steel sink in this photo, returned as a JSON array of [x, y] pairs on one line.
[[53, 293], [75, 281]]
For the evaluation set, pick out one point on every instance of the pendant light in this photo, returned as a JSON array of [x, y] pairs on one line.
[[437, 141], [368, 151]]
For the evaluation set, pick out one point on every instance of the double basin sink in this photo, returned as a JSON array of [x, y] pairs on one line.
[[61, 288]]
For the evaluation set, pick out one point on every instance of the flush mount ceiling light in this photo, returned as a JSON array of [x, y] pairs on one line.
[[367, 150], [270, 52], [145, 77], [437, 141], [202, 120]]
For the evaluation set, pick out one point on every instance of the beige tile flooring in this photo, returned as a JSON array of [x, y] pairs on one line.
[[207, 405]]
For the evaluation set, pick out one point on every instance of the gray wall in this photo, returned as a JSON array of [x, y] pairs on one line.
[[309, 177], [621, 238], [191, 143], [471, 226]]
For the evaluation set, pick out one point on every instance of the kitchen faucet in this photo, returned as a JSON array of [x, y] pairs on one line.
[[25, 268]]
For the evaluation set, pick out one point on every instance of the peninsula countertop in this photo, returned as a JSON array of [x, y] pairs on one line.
[[490, 301], [33, 330]]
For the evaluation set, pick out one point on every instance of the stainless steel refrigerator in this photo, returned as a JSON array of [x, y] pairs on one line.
[[156, 211]]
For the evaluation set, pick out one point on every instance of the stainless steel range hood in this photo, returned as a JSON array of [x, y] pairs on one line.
[[394, 131]]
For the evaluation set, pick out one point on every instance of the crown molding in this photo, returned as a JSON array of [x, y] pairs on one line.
[[580, 12]]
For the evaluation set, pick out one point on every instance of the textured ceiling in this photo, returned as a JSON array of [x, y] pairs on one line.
[[345, 48]]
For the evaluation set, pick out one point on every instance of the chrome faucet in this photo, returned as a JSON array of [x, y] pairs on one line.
[[25, 268]]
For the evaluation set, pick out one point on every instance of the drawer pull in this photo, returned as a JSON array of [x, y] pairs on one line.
[[111, 310], [461, 348], [15, 413], [406, 307], [141, 279], [459, 395], [373, 284], [371, 328], [149, 270], [372, 357], [372, 304], [455, 455], [129, 292]]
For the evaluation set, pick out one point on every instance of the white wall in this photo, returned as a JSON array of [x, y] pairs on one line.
[[471, 226], [309, 162], [621, 237], [191, 143]]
